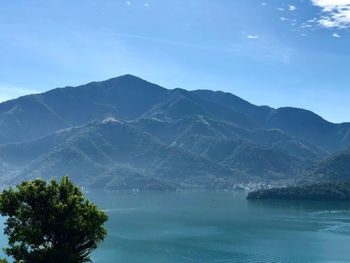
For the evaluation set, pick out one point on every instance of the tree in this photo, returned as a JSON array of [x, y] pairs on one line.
[[51, 222]]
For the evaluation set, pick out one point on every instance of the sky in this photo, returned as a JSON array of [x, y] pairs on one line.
[[269, 52]]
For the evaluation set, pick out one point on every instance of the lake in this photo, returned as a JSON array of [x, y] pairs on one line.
[[196, 226]]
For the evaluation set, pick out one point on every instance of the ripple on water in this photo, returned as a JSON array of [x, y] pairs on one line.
[[331, 212], [118, 210], [237, 258], [339, 228]]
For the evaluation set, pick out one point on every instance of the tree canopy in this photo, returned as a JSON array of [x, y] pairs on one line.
[[50, 222]]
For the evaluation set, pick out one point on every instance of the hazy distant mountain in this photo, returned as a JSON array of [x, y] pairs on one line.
[[112, 148], [258, 153], [126, 132], [310, 127], [197, 133], [115, 154]]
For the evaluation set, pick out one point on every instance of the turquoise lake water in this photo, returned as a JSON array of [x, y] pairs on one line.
[[195, 226]]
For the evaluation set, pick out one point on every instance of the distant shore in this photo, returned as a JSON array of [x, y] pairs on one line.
[[334, 191]]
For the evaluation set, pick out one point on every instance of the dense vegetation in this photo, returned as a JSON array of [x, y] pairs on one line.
[[335, 191], [50, 222]]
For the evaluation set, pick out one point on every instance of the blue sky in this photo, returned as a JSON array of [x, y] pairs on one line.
[[277, 53]]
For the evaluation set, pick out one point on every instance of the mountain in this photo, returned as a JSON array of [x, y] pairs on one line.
[[34, 116], [264, 154], [192, 131], [310, 127], [116, 154], [272, 164], [129, 98], [113, 150], [256, 113], [126, 132], [334, 168], [299, 123], [180, 103]]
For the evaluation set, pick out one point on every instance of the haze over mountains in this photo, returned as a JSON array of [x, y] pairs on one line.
[[127, 133]]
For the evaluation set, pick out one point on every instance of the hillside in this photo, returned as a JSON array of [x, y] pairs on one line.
[[112, 148], [128, 97], [126, 132], [333, 168], [124, 154], [300, 123], [34, 116]]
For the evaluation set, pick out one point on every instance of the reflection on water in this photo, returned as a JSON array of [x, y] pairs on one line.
[[196, 226]]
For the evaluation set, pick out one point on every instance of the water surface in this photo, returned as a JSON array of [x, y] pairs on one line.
[[195, 226]]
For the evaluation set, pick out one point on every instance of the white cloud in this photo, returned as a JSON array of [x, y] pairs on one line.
[[283, 18], [263, 4], [291, 8], [146, 4], [336, 13], [336, 35], [128, 3], [253, 36], [326, 22], [280, 8]]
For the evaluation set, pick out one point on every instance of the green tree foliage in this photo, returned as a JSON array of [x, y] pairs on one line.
[[51, 222]]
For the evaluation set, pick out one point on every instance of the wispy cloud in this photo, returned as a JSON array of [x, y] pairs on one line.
[[336, 35], [267, 50], [335, 13], [253, 36], [291, 21]]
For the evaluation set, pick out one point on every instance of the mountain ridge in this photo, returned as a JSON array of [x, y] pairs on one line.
[[201, 138], [59, 108]]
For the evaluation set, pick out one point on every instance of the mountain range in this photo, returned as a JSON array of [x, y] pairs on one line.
[[126, 133]]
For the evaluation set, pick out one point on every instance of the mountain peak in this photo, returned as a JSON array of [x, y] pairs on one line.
[[128, 77], [129, 97]]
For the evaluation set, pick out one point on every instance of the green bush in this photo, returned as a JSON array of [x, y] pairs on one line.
[[50, 222]]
